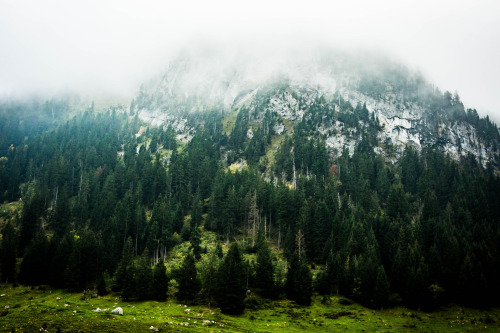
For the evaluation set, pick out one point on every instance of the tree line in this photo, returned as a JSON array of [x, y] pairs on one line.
[[103, 208]]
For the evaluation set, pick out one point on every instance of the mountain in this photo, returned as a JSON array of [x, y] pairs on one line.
[[341, 96], [237, 179]]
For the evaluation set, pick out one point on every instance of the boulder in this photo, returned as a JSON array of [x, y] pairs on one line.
[[118, 311]]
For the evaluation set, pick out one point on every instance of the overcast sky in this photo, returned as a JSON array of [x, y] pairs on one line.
[[112, 46]]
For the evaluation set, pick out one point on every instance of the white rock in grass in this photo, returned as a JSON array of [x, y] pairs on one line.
[[118, 311]]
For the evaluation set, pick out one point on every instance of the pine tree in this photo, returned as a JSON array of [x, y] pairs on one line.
[[289, 244], [209, 277], [196, 210], [290, 275], [34, 264], [160, 282], [122, 271], [8, 253], [230, 211], [298, 285], [83, 264], [129, 282], [60, 252], [189, 283], [61, 218], [143, 277], [102, 288], [264, 273], [230, 293], [253, 217], [195, 240], [218, 250], [397, 204], [328, 279], [303, 284], [381, 290], [30, 218]]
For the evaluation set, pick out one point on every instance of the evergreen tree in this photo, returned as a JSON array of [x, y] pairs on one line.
[[122, 273], [61, 217], [397, 204], [34, 266], [102, 287], [189, 283], [83, 268], [328, 281], [195, 240], [160, 282], [30, 218], [298, 285], [381, 291], [8, 253], [143, 277], [218, 250], [264, 272], [129, 282], [60, 252], [230, 293], [303, 284], [289, 244], [209, 277], [196, 210]]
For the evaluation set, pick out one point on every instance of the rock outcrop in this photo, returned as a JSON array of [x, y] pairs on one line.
[[402, 102]]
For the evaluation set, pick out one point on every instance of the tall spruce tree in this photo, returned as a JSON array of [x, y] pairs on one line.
[[35, 263], [298, 284], [8, 253], [303, 283], [195, 240], [160, 281], [264, 268], [143, 277], [381, 290], [189, 283], [209, 277], [230, 293]]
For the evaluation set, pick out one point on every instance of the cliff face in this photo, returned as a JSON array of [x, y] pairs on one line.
[[338, 93]]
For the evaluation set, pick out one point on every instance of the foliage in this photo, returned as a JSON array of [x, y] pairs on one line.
[[189, 282], [97, 198], [230, 292]]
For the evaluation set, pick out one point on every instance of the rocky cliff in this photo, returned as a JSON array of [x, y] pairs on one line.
[[340, 94]]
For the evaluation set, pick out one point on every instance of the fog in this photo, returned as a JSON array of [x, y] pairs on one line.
[[96, 47]]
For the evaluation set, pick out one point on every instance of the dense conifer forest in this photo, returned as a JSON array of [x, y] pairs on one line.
[[105, 198]]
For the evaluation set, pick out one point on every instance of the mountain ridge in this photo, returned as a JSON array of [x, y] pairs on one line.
[[409, 110]]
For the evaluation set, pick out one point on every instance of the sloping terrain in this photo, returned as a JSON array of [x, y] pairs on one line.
[[338, 92]]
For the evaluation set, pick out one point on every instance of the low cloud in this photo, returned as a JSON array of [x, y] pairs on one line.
[[111, 47]]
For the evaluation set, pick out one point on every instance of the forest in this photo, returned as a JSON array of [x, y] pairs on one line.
[[106, 197]]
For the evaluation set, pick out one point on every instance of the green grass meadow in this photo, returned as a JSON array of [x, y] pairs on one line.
[[34, 309]]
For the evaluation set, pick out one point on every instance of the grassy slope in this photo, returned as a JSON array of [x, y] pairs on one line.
[[229, 121], [8, 211], [31, 308], [26, 309]]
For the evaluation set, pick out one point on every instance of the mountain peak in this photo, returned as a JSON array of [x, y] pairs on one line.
[[354, 93]]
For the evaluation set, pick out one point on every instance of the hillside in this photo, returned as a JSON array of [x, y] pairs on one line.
[[236, 184], [337, 94]]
